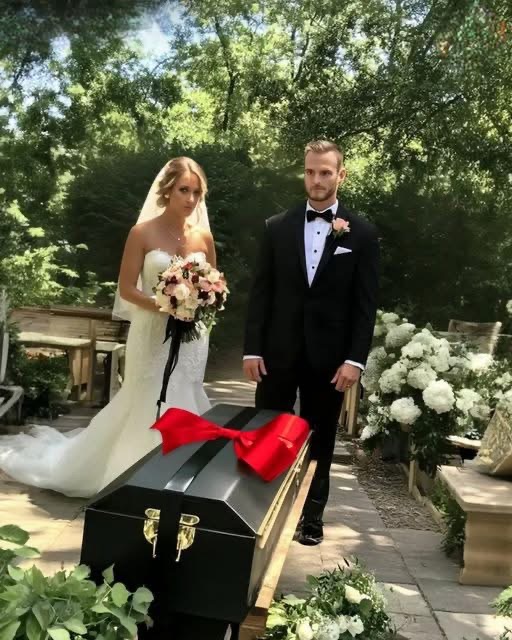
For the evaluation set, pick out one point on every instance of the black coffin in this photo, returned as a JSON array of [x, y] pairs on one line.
[[231, 521]]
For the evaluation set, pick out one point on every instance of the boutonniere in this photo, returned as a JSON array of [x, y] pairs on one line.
[[339, 227]]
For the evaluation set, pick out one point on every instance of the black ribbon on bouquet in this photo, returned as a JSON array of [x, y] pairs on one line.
[[178, 331]]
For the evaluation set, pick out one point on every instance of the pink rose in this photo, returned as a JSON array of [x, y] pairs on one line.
[[340, 226]]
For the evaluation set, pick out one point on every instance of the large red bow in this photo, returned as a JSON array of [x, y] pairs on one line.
[[269, 450]]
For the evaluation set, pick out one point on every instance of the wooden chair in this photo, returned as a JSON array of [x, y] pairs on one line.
[[16, 392]]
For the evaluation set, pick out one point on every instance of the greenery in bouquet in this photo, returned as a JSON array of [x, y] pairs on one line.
[[343, 604], [432, 388], [65, 606]]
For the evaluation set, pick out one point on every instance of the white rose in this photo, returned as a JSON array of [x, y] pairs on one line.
[[353, 595], [355, 626], [439, 396], [304, 631], [181, 292], [404, 411], [343, 622], [213, 276]]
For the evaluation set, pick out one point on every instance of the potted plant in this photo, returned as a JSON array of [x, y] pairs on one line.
[[65, 606]]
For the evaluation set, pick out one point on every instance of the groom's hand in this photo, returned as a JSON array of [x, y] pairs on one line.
[[346, 376], [254, 368]]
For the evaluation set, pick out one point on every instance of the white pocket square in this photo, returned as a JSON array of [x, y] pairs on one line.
[[340, 250]]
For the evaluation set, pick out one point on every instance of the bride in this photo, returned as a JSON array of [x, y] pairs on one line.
[[173, 221]]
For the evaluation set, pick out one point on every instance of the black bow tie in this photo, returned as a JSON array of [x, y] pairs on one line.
[[311, 215]]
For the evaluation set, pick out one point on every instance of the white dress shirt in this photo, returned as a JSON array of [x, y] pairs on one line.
[[315, 235]]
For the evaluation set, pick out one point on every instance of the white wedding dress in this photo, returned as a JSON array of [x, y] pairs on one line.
[[83, 461]]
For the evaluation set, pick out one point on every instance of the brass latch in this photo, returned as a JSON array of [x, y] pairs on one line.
[[186, 533], [186, 530], [151, 527]]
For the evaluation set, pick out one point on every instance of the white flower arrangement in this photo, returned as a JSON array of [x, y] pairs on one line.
[[344, 604], [434, 387]]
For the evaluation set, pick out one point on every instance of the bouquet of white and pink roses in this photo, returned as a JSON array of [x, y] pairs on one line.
[[191, 291]]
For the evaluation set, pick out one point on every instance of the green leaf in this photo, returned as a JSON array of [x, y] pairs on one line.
[[76, 626], [108, 574], [57, 633], [43, 611], [33, 629], [293, 600], [16, 573], [275, 620], [129, 625], [100, 608], [119, 594], [27, 552], [81, 572], [143, 595], [37, 580], [8, 631], [13, 533]]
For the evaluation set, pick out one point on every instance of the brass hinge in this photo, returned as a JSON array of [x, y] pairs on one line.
[[186, 530]]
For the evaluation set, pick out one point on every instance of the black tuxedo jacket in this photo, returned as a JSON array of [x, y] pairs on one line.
[[333, 319]]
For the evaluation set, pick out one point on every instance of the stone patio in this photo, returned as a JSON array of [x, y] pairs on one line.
[[420, 583]]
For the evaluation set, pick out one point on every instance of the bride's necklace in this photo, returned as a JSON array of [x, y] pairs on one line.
[[178, 238]]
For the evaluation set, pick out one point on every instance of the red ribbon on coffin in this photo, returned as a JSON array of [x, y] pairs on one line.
[[269, 450]]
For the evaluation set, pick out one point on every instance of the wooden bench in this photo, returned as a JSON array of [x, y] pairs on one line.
[[43, 328], [253, 626], [487, 502], [82, 332]]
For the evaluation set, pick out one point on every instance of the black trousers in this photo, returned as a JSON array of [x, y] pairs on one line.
[[320, 405]]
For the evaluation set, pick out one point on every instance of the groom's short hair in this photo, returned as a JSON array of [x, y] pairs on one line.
[[324, 146]]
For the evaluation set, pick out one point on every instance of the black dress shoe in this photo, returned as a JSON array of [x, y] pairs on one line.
[[312, 533]]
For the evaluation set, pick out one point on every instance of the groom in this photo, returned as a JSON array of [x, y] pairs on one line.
[[311, 313]]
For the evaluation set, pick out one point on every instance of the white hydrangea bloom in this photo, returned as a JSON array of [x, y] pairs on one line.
[[328, 630], [425, 337], [373, 398], [479, 361], [480, 411], [421, 376], [413, 350], [509, 307], [392, 380], [400, 335], [405, 411], [505, 380], [378, 330], [440, 361], [343, 622], [439, 396], [369, 430], [389, 318], [466, 400]]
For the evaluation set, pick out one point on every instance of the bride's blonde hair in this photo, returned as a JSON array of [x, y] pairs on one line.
[[174, 169]]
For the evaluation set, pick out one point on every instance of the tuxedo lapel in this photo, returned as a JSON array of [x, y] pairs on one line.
[[329, 243], [299, 217]]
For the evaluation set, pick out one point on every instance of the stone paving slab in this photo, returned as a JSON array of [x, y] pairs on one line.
[[457, 598], [467, 626]]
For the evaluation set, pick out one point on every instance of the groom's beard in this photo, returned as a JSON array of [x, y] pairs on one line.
[[321, 195]]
